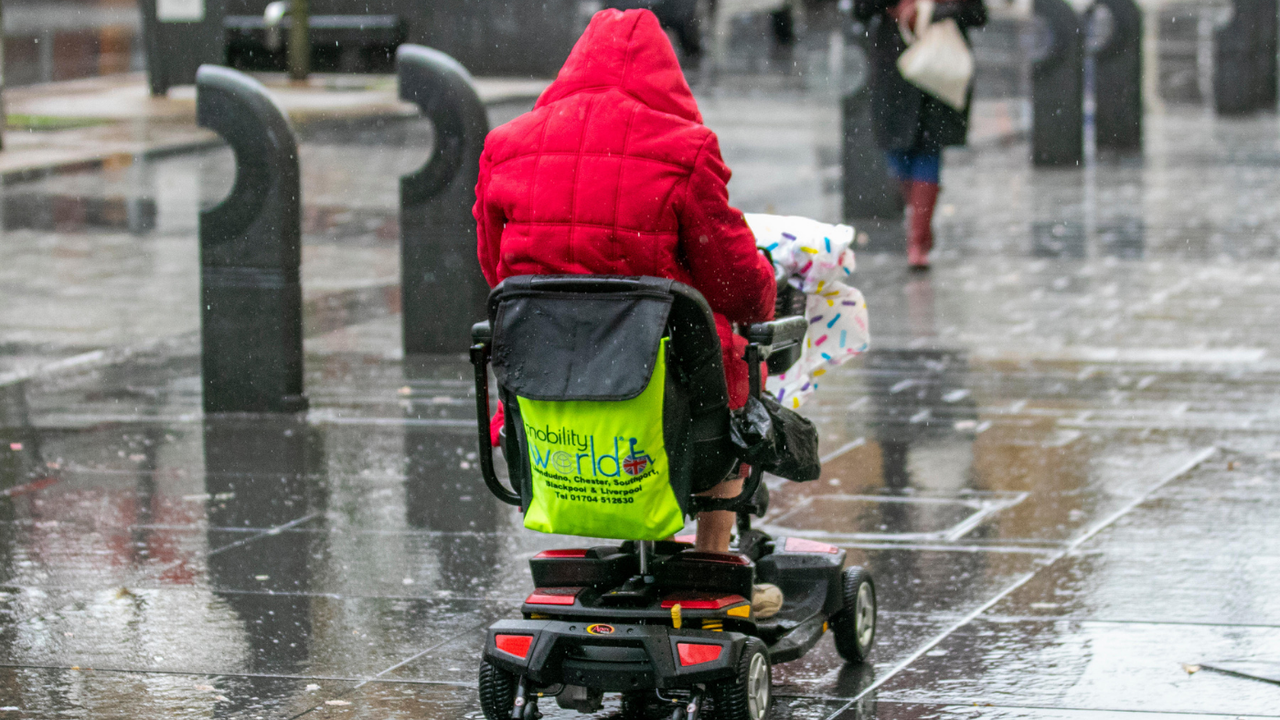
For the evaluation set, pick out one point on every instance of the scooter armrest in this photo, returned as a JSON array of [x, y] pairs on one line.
[[777, 334], [480, 362], [482, 333]]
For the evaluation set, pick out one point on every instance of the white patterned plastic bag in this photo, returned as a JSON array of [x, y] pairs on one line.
[[816, 258]]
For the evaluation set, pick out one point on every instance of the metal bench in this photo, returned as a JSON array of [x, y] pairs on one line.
[[339, 43]]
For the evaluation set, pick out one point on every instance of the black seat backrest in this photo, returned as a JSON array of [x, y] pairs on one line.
[[595, 337], [605, 313]]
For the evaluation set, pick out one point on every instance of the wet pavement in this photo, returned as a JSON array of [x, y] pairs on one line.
[[1059, 461]]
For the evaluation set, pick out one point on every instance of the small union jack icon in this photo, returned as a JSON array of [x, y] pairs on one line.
[[635, 465], [637, 462]]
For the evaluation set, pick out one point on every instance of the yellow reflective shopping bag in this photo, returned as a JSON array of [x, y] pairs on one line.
[[600, 468]]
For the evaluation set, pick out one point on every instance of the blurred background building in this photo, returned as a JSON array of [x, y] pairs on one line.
[[51, 40]]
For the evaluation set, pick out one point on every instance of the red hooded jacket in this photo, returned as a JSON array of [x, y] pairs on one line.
[[613, 173]]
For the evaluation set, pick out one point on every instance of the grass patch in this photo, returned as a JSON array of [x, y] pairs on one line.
[[46, 123]]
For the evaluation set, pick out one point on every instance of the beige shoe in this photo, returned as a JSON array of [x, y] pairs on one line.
[[766, 600]]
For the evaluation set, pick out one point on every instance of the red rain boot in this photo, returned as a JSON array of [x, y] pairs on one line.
[[924, 195]]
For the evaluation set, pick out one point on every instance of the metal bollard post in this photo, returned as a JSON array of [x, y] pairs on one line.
[[251, 314], [442, 289], [179, 37], [1118, 76], [1057, 86], [1244, 59], [869, 194], [1265, 68]]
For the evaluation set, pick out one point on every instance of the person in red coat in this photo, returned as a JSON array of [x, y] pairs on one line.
[[613, 173]]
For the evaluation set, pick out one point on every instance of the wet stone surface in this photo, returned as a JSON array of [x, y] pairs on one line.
[[1059, 461]]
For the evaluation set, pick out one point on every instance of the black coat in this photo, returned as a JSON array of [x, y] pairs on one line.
[[904, 117]]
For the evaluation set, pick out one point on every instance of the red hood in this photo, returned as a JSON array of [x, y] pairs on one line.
[[629, 51]]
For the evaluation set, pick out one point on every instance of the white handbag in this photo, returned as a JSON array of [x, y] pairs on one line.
[[937, 59]]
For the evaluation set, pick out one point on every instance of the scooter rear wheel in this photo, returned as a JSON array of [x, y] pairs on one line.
[[497, 691], [854, 627], [747, 695]]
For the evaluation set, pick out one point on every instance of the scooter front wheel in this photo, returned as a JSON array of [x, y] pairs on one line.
[[497, 691], [854, 627]]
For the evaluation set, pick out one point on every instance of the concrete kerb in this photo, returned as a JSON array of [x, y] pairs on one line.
[[122, 101]]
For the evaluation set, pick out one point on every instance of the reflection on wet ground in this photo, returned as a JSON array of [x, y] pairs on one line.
[[1059, 461], [69, 213]]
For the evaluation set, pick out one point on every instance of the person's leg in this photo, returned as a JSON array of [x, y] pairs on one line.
[[714, 532], [716, 528], [925, 171], [899, 162]]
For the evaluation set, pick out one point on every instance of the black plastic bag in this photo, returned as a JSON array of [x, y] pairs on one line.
[[776, 439]]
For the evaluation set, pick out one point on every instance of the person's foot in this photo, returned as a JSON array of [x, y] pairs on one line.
[[923, 198], [917, 257], [766, 600]]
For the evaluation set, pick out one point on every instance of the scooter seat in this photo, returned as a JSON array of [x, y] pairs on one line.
[[707, 571]]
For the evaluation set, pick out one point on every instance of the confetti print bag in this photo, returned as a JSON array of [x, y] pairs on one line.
[[816, 259]]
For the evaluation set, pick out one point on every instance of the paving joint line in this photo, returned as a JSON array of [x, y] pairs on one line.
[[223, 674], [402, 663], [191, 673], [1106, 621], [943, 547], [1089, 534], [152, 573], [969, 704]]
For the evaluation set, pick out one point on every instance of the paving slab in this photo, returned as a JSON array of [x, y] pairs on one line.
[[893, 710], [1193, 554], [1091, 665], [197, 630], [152, 696]]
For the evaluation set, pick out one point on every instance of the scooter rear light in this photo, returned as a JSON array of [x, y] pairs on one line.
[[698, 653], [553, 596], [517, 645], [569, 553]]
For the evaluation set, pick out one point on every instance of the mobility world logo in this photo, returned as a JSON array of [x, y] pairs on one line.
[[583, 457]]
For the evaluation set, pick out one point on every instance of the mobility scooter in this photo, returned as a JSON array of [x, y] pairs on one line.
[[616, 415]]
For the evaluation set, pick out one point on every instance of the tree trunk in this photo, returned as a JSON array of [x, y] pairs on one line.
[[299, 39]]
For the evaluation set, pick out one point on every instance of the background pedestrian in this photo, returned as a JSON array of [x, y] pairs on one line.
[[911, 126]]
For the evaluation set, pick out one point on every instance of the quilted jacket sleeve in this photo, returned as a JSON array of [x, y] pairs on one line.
[[718, 247], [489, 223]]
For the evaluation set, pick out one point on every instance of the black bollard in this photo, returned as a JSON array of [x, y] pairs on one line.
[[869, 191], [871, 200], [442, 289], [251, 314], [1244, 59], [1264, 59], [179, 37], [1117, 83], [1057, 86]]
